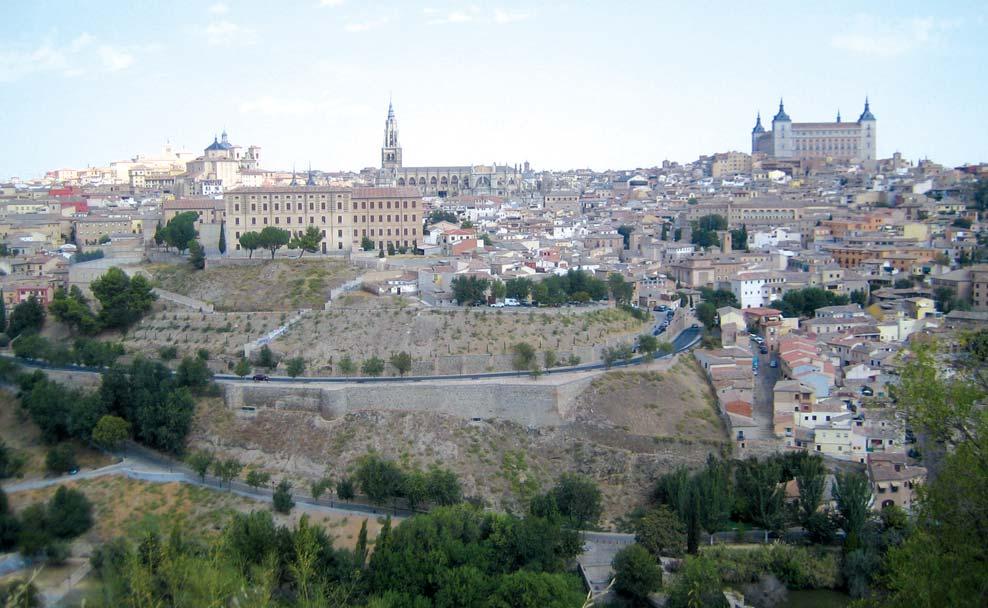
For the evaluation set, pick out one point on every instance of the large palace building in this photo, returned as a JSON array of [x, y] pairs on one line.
[[499, 180], [385, 215], [847, 141]]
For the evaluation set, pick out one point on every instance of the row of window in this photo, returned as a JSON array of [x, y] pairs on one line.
[[300, 206], [339, 220]]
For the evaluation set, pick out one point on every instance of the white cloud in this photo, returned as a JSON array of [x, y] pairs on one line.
[[867, 35], [219, 8], [503, 16], [81, 56], [115, 59], [225, 33]]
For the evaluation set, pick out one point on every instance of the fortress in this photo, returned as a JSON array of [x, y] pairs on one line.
[[846, 141]]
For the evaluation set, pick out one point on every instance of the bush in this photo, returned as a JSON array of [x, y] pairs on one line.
[[797, 567], [111, 431], [69, 513], [168, 353], [282, 499], [61, 459], [661, 533], [636, 573], [345, 489]]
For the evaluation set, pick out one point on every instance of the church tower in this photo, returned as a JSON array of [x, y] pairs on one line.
[[782, 143], [391, 150]]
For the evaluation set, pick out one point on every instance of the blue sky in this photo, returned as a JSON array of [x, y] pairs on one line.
[[560, 84]]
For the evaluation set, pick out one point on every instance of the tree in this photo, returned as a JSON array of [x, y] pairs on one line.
[[123, 300], [110, 432], [760, 491], [414, 487], [636, 575], [180, 231], [522, 356], [469, 290], [319, 487], [250, 241], [402, 362], [307, 241], [273, 239], [739, 238], [662, 533], [621, 290], [257, 478], [707, 314], [859, 297], [295, 367], [242, 368], [378, 478], [518, 288], [853, 496], [810, 479], [265, 358], [345, 489], [804, 302], [443, 487], [60, 459], [625, 232], [193, 373], [282, 498], [346, 365], [200, 462], [578, 498], [549, 359], [72, 308], [28, 316], [366, 244], [227, 470], [648, 344], [197, 255], [3, 314], [498, 289], [719, 298], [372, 367], [69, 513], [222, 243]]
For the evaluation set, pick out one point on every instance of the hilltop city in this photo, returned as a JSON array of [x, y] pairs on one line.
[[682, 360]]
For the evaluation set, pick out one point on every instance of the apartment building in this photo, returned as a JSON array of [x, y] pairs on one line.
[[345, 216]]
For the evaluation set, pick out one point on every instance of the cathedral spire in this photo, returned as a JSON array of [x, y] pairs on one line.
[[310, 181], [838, 115], [866, 115], [758, 124], [294, 181], [781, 115]]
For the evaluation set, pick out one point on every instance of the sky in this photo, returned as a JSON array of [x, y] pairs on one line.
[[563, 85]]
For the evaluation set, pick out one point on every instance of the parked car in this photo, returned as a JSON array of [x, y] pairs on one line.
[[867, 391], [261, 378], [763, 350], [774, 363], [511, 302], [497, 305]]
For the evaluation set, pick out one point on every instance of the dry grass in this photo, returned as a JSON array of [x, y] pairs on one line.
[[266, 286]]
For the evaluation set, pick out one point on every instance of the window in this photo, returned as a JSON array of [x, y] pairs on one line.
[[264, 221], [253, 221], [339, 205], [339, 233], [253, 206], [237, 221], [324, 219], [276, 220], [236, 207], [339, 219]]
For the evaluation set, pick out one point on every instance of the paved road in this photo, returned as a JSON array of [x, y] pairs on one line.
[[686, 339], [763, 405]]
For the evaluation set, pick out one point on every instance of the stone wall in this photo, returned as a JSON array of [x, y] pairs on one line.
[[525, 401]]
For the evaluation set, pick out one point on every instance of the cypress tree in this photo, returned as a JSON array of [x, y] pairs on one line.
[[3, 313], [222, 246]]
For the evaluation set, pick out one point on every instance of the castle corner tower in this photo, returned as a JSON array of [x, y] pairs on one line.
[[391, 150]]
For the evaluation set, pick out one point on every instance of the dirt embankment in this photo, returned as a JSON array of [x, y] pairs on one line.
[[629, 428]]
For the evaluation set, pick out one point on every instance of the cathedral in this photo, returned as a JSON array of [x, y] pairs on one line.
[[497, 180], [844, 141]]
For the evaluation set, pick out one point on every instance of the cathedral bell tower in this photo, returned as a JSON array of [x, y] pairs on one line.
[[391, 150]]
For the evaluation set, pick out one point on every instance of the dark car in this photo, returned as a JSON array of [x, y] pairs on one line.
[[763, 350], [261, 378]]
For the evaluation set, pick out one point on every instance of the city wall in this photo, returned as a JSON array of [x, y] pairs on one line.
[[524, 401]]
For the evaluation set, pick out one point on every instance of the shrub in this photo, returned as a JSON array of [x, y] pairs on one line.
[[636, 573], [60, 459], [282, 499], [168, 353]]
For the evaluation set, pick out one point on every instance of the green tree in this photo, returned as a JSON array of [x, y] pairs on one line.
[[3, 314], [662, 533], [227, 470], [242, 368], [257, 478], [578, 498], [804, 302], [307, 241], [282, 498], [518, 288], [761, 493], [378, 478], [625, 232], [222, 243], [345, 489], [319, 487], [273, 239], [347, 366], [28, 316], [72, 308], [549, 359], [414, 487], [180, 231], [61, 459], [250, 241], [498, 290], [443, 487], [197, 255], [853, 496], [265, 358], [859, 297], [648, 344], [522, 356], [123, 300], [469, 290], [621, 290], [366, 244], [111, 431], [707, 314], [402, 362], [69, 513], [295, 367], [373, 366], [698, 586], [200, 462], [636, 574], [193, 373], [810, 479]]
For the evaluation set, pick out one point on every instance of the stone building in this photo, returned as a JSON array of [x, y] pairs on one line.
[[499, 180], [847, 141]]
